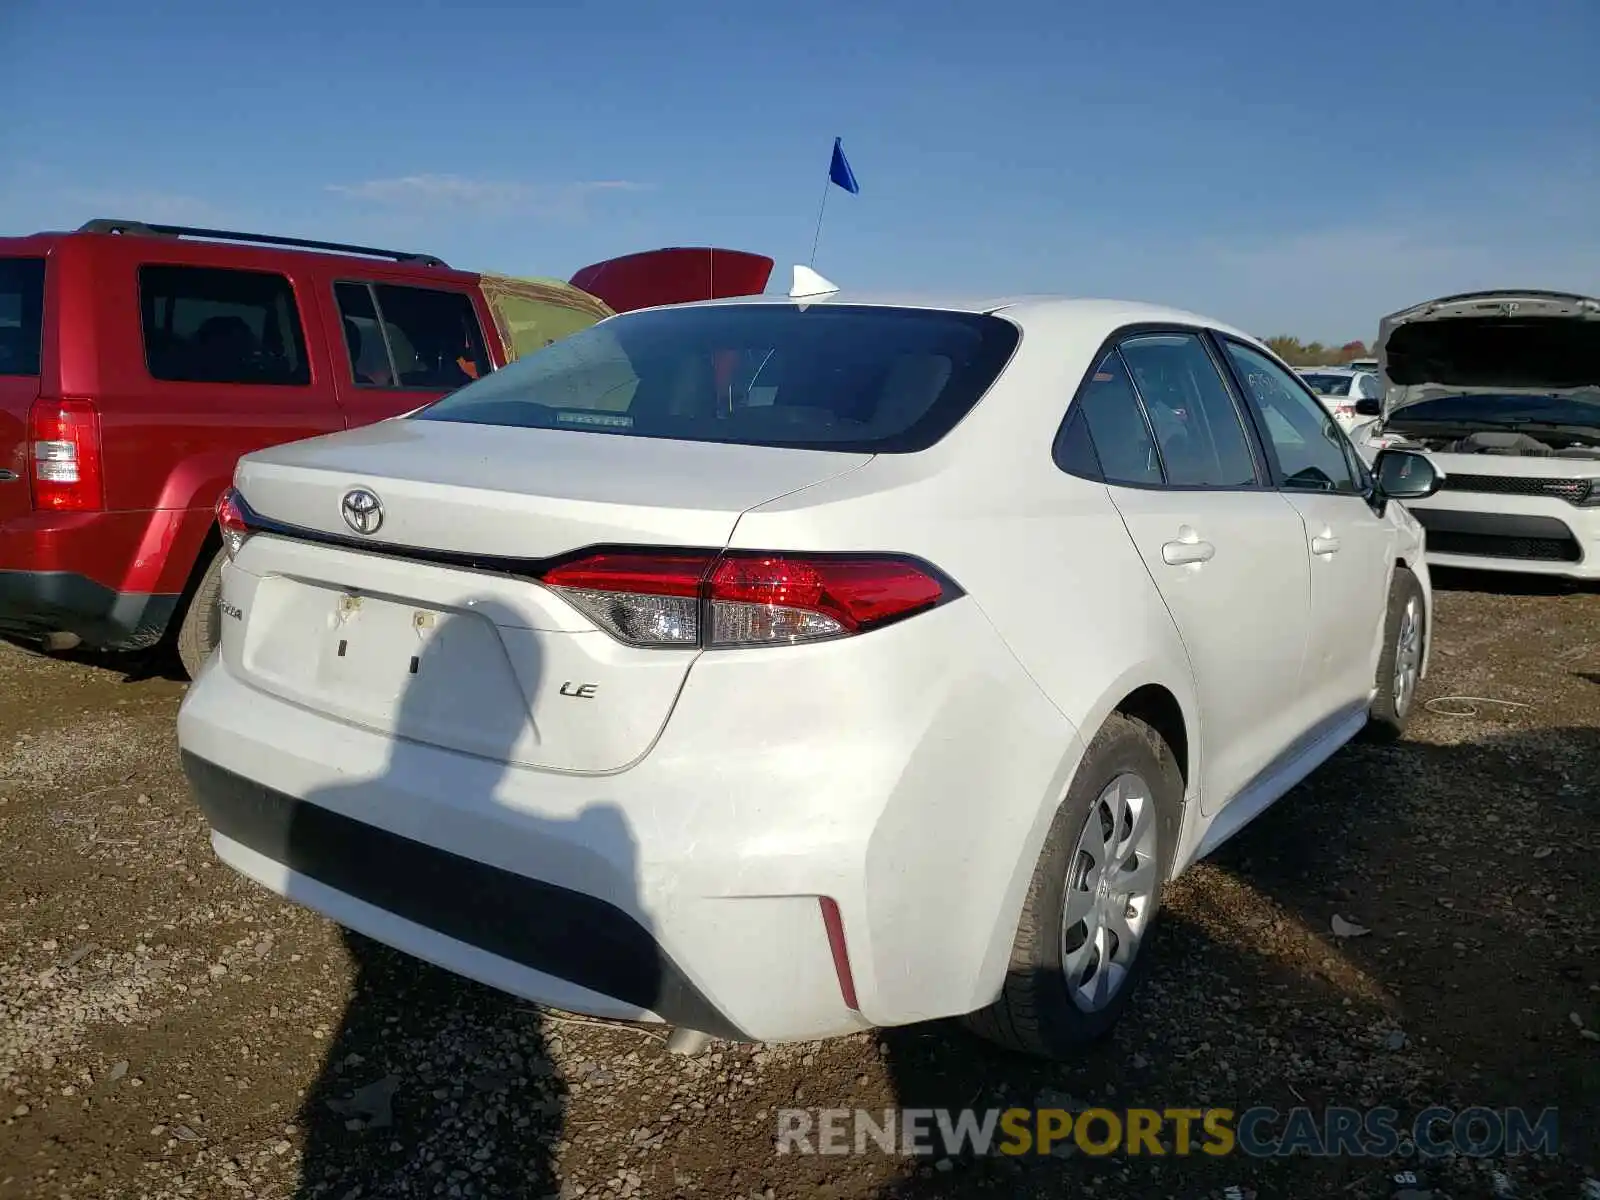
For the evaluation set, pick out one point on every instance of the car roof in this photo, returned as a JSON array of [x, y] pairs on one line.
[[1024, 308], [1333, 371]]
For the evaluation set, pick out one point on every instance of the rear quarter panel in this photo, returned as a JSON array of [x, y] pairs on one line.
[[169, 448], [1046, 559]]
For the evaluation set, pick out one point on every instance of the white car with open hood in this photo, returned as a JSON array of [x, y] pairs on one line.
[[787, 667], [1502, 391]]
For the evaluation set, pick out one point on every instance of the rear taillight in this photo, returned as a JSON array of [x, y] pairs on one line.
[[743, 598], [231, 522], [64, 439]]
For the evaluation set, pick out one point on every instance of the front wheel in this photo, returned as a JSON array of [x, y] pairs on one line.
[[1400, 664], [1080, 948]]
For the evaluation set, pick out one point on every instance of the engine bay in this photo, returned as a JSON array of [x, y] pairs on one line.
[[1507, 443]]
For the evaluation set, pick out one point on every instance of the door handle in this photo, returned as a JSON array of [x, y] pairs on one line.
[[1325, 543], [1179, 554]]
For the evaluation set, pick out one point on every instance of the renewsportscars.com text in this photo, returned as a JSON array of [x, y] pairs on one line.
[[1259, 1132]]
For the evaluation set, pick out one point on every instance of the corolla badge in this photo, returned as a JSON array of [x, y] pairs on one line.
[[362, 510]]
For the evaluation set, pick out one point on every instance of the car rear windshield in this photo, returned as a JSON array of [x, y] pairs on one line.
[[21, 315], [835, 377]]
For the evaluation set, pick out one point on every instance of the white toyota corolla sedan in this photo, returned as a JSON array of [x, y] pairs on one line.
[[784, 667]]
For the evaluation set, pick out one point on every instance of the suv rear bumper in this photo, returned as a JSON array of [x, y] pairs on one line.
[[102, 576], [39, 603]]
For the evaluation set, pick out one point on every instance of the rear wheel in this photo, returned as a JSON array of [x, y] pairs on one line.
[[1080, 948], [200, 628], [1400, 664]]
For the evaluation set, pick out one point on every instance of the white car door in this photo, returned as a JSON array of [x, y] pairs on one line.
[[1225, 549], [1351, 547]]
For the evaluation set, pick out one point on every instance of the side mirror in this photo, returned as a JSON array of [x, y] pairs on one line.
[[1405, 475], [1367, 407]]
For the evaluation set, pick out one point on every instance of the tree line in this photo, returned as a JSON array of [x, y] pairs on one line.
[[1314, 354]]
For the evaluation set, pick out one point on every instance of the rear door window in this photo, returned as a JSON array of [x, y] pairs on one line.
[[1124, 448], [410, 337], [219, 325], [1197, 426], [830, 376], [21, 315]]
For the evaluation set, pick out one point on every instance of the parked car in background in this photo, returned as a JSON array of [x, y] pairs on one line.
[[1362, 364], [138, 362], [1502, 390], [1341, 390], [672, 657]]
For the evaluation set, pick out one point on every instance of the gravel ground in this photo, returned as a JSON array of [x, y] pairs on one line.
[[168, 1029]]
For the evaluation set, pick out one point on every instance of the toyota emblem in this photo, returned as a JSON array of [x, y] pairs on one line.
[[362, 510]]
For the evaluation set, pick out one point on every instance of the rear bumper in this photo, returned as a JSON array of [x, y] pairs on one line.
[[38, 603], [104, 576], [411, 888], [687, 888]]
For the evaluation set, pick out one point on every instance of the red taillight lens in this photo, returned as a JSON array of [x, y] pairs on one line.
[[644, 574], [742, 598], [64, 436], [231, 522], [854, 594]]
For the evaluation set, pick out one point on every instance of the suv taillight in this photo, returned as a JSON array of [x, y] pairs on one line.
[[231, 522], [64, 459], [742, 597]]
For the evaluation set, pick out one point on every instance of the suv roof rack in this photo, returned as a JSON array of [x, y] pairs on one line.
[[146, 229]]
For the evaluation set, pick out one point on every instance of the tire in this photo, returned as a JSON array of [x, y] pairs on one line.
[[200, 628], [1036, 1012], [1403, 642]]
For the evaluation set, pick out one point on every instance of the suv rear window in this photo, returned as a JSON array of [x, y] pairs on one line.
[[21, 314], [216, 325], [826, 376]]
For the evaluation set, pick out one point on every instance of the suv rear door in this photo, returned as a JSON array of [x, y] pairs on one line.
[[397, 345], [21, 342]]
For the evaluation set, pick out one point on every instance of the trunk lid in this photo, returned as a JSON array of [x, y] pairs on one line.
[[21, 341], [470, 656], [1512, 342]]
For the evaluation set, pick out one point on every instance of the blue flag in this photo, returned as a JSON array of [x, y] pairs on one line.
[[839, 171]]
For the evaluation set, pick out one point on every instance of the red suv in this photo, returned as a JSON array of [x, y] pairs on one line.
[[138, 362]]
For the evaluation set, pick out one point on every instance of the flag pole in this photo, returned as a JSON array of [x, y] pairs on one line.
[[827, 186]]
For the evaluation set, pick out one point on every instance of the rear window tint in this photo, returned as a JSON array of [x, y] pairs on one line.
[[836, 377], [214, 325], [21, 314]]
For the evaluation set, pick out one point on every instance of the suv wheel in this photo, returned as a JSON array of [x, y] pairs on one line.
[[201, 627], [1081, 946], [1400, 664]]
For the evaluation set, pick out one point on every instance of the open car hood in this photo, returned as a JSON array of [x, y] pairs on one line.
[[674, 275], [1489, 343], [531, 313]]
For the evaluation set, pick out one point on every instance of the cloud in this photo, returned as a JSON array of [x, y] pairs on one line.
[[487, 197], [36, 197], [138, 204]]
